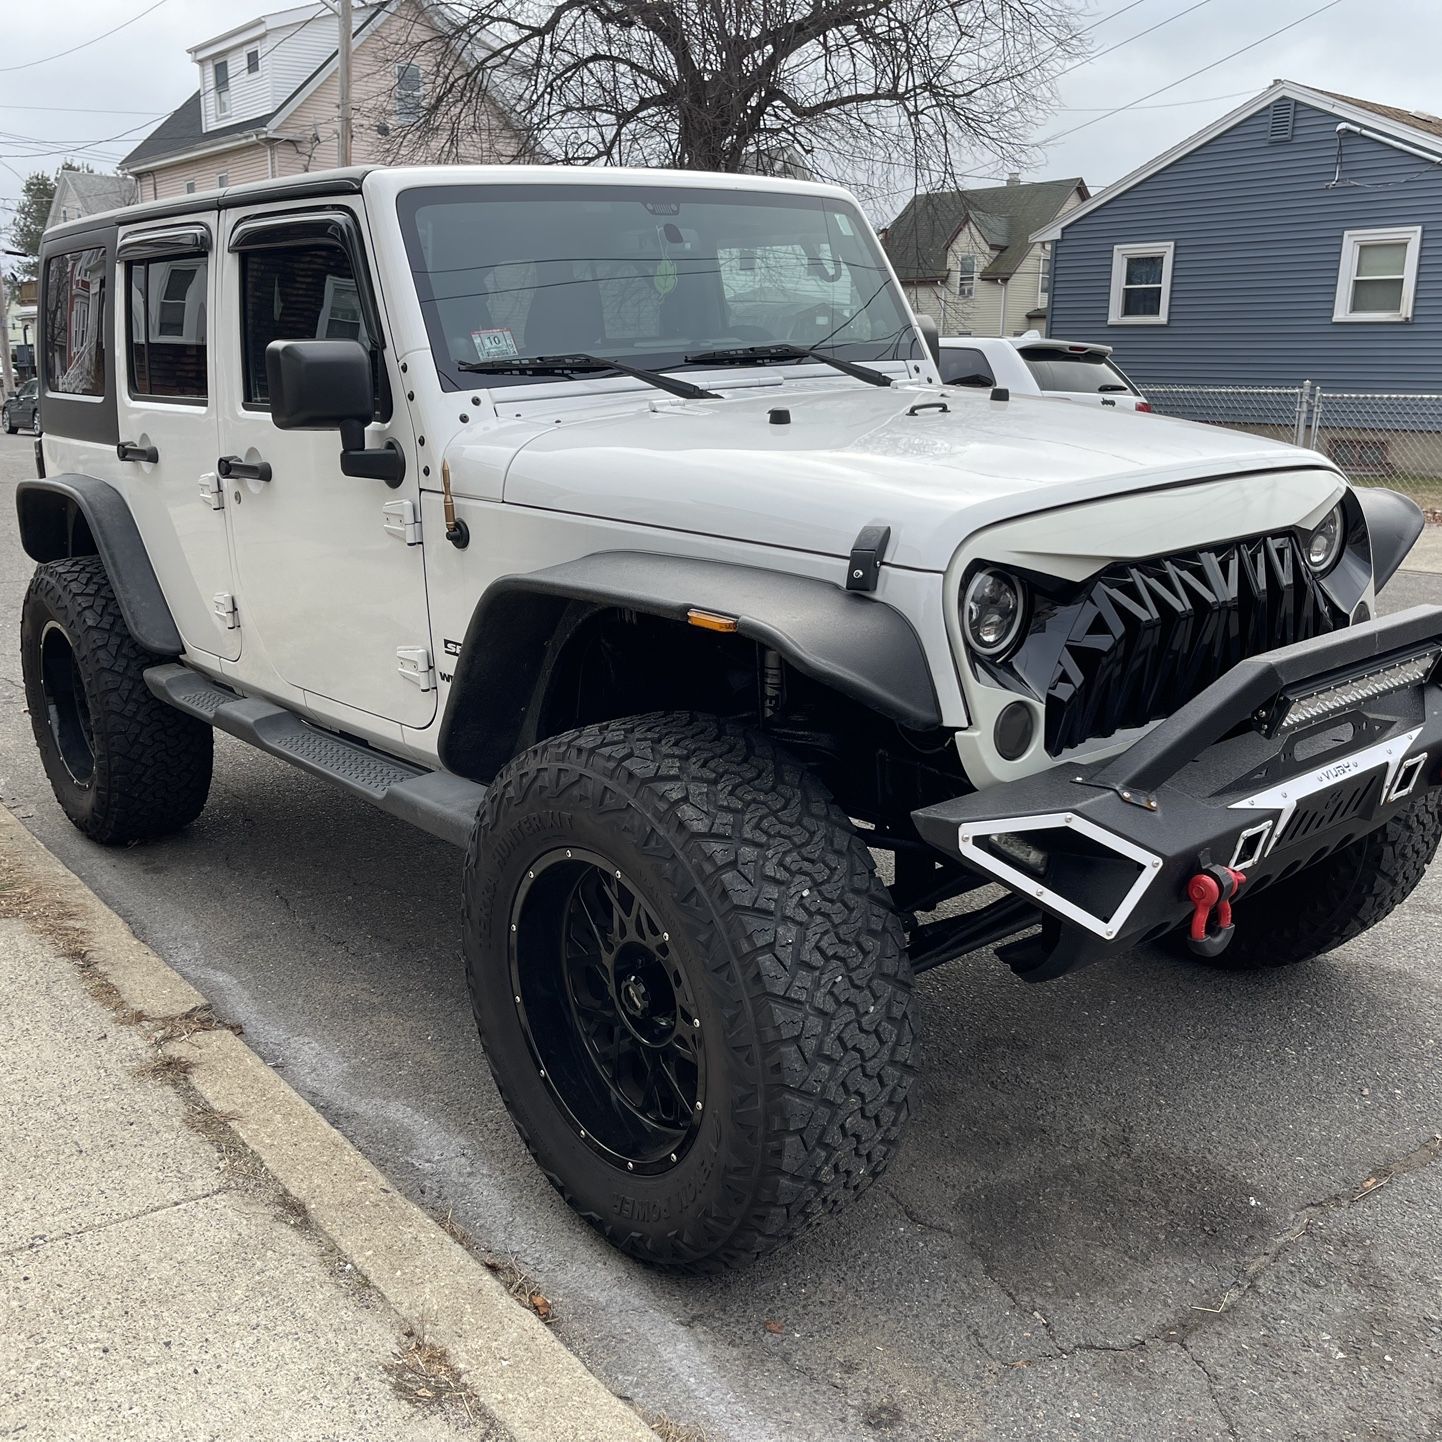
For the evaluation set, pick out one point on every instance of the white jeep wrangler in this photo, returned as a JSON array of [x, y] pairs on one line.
[[615, 527]]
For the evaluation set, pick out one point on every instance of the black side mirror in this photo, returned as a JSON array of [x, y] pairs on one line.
[[930, 337], [321, 385]]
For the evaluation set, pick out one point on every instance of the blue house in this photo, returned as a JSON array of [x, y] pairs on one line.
[[1299, 238]]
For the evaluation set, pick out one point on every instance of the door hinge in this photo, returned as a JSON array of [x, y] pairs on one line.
[[402, 522], [414, 663], [226, 612], [212, 491]]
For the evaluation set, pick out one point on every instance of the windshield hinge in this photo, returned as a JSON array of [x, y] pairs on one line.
[[864, 567], [402, 522], [212, 491], [414, 663]]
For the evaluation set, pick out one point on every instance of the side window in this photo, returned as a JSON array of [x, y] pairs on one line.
[[302, 292], [167, 328], [75, 323], [962, 366]]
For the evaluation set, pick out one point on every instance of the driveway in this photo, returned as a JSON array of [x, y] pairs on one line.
[[1147, 1201]]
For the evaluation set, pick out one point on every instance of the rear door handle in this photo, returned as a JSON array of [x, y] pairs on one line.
[[129, 451], [229, 466]]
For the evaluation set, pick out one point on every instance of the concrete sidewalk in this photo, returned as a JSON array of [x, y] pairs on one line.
[[188, 1250]]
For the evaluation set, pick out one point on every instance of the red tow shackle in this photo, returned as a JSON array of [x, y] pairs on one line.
[[1211, 891]]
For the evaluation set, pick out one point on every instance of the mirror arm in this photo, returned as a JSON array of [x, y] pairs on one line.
[[377, 463]]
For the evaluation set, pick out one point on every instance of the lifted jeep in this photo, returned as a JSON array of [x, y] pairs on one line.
[[614, 526]]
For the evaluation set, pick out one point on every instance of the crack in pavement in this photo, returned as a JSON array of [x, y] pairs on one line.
[[37, 1244], [1301, 1220], [1212, 1385]]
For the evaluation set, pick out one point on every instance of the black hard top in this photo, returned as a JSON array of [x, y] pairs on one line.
[[291, 187]]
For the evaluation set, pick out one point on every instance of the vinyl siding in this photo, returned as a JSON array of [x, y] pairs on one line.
[[242, 163], [1258, 234]]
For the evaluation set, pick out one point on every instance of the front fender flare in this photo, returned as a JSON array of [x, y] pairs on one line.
[[47, 509], [1394, 522], [851, 642]]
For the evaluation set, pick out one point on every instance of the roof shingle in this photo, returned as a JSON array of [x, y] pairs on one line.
[[1006, 215]]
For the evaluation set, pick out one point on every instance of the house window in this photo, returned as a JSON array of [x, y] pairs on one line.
[[408, 93], [252, 62], [1377, 277], [966, 276], [1141, 284], [1043, 274], [220, 70], [222, 180], [190, 187]]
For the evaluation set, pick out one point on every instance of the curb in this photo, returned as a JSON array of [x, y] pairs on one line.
[[533, 1386]]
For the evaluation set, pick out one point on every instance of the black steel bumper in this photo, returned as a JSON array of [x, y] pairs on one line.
[[1104, 850]]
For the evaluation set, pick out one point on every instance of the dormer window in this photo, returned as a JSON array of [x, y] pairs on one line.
[[252, 62], [220, 71]]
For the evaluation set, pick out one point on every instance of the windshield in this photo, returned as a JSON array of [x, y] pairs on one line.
[[644, 274], [1084, 372]]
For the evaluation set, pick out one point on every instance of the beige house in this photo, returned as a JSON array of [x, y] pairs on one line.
[[966, 257], [268, 102]]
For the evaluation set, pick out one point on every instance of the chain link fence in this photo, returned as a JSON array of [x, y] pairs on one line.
[[1379, 438]]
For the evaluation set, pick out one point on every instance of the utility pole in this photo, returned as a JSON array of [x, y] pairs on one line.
[[343, 70], [5, 367]]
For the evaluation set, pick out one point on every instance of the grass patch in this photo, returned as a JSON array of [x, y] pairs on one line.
[[422, 1372]]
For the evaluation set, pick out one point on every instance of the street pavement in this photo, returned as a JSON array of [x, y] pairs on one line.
[[1147, 1201]]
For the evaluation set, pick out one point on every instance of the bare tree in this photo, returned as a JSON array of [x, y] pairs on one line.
[[872, 92]]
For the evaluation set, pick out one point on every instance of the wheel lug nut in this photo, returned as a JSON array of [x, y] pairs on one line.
[[696, 1022]]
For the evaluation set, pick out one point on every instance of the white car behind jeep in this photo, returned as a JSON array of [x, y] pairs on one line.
[[616, 527], [1035, 365]]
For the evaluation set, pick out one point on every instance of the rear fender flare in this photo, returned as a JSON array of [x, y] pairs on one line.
[[855, 644], [73, 515]]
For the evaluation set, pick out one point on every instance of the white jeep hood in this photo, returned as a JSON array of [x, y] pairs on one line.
[[852, 456]]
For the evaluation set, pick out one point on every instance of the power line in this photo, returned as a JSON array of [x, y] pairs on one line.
[[84, 44], [83, 110], [1162, 89], [1091, 59], [1164, 105]]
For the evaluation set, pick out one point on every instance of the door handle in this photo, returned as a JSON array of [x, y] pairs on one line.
[[129, 451], [228, 466]]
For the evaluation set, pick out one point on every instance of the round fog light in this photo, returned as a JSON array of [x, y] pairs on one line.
[[1014, 731], [992, 612], [1324, 545]]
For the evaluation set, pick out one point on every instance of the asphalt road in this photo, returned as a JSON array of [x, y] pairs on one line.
[[1133, 1204]]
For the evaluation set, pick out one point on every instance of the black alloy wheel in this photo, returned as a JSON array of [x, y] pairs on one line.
[[607, 1011], [66, 709]]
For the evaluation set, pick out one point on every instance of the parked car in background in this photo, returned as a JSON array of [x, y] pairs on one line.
[[23, 408], [1032, 365]]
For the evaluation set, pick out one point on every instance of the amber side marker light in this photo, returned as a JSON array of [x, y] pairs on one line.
[[710, 621]]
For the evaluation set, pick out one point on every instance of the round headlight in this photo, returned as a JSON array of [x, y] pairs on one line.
[[992, 612], [1324, 545]]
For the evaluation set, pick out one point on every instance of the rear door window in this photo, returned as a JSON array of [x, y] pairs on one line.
[[75, 323], [1079, 372], [963, 366], [167, 328]]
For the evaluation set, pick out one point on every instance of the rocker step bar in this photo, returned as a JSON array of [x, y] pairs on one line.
[[435, 801]]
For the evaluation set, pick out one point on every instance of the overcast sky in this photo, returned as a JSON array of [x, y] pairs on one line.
[[1379, 49]]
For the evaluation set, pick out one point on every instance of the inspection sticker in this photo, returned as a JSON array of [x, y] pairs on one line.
[[494, 344]]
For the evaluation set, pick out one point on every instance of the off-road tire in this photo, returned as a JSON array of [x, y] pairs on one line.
[[151, 764], [789, 941], [1318, 908]]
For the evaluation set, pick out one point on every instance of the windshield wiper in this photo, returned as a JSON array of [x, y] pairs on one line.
[[579, 365], [782, 351]]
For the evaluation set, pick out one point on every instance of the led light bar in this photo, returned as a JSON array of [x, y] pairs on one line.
[[1298, 708]]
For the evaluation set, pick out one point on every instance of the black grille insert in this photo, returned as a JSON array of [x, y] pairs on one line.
[[1148, 636]]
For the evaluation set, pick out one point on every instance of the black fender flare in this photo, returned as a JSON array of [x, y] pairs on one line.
[[1394, 522], [851, 642], [48, 510]]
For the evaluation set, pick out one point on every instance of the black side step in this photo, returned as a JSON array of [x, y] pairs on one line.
[[436, 801]]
